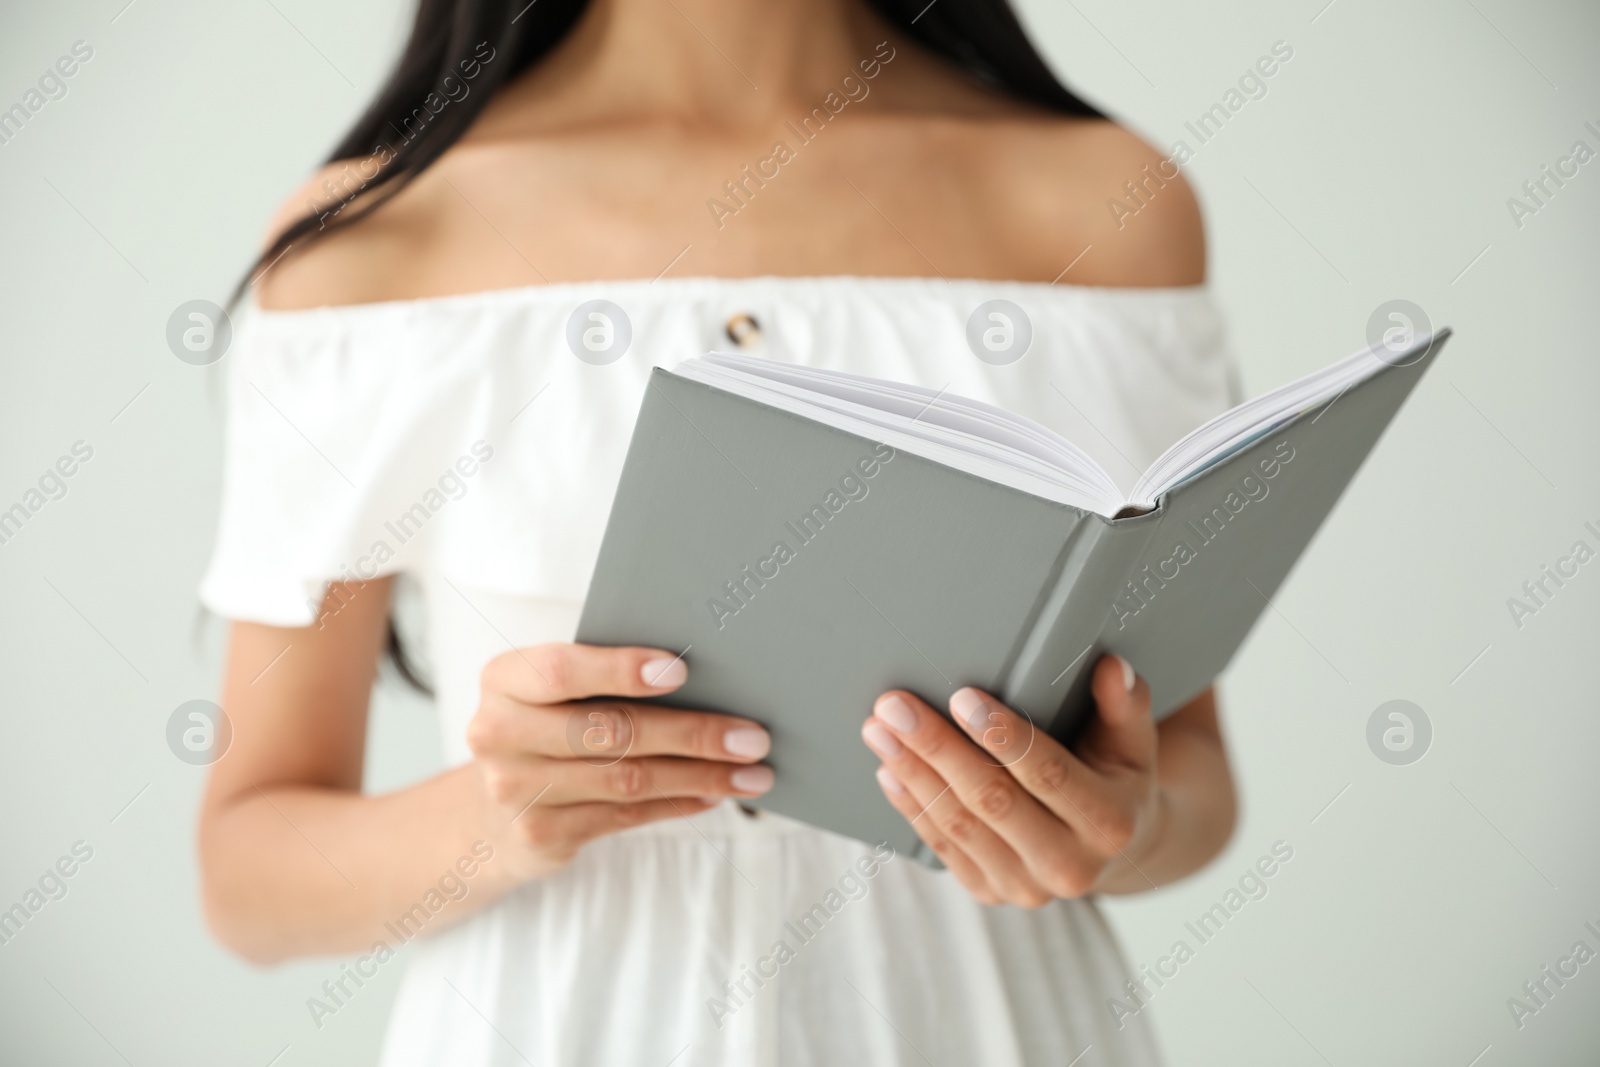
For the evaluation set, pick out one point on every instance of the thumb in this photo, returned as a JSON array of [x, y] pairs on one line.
[[1122, 731]]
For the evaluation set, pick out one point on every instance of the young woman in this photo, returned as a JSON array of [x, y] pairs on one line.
[[821, 181]]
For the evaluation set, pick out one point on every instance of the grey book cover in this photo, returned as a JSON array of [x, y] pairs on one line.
[[803, 570]]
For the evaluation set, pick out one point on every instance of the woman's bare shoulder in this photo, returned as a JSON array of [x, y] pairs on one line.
[[322, 266], [1069, 188], [356, 256]]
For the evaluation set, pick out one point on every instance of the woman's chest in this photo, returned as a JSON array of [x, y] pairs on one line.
[[861, 196]]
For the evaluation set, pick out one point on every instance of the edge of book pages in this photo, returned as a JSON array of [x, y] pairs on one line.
[[1013, 450]]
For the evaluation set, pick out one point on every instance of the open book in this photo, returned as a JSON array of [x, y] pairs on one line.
[[1010, 449], [810, 539]]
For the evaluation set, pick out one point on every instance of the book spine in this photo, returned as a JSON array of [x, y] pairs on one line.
[[1048, 671]]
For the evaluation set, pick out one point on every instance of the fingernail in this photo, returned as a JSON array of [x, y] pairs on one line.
[[969, 706], [881, 740], [890, 783], [748, 741], [752, 779], [664, 673], [1128, 677], [896, 712]]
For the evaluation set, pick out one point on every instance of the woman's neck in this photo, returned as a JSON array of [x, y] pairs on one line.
[[724, 62]]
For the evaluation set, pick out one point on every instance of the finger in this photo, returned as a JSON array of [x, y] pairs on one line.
[[1122, 732], [951, 854], [1046, 844], [558, 672], [564, 830], [628, 780], [936, 800], [1068, 789], [607, 731]]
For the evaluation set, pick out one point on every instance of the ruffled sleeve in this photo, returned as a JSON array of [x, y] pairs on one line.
[[344, 450], [458, 436], [301, 464]]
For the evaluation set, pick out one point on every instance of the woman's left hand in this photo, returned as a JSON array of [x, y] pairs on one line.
[[1017, 817]]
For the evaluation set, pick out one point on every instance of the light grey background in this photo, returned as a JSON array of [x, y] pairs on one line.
[[1377, 166]]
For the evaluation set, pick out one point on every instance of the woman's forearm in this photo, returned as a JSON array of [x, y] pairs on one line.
[[294, 870], [1198, 806]]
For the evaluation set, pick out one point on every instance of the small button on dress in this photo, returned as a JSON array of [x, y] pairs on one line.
[[743, 330]]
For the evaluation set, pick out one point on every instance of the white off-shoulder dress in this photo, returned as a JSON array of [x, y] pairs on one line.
[[463, 442]]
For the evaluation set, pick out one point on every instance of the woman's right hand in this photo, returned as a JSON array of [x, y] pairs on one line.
[[564, 756]]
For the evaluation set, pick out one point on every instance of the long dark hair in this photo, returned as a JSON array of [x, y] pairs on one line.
[[473, 47]]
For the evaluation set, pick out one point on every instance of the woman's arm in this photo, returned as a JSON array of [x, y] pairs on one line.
[[1197, 804], [1020, 819], [296, 861]]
